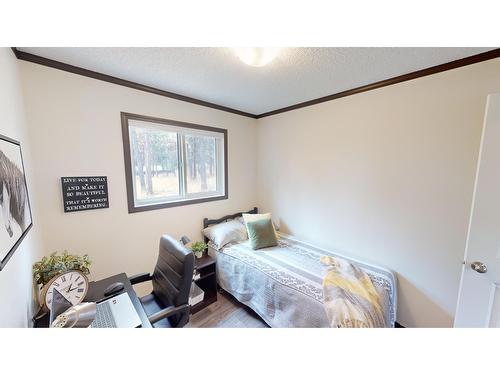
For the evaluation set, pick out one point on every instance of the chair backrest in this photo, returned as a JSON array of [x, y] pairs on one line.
[[173, 273]]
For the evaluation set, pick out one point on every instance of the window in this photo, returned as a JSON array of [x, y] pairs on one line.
[[171, 163]]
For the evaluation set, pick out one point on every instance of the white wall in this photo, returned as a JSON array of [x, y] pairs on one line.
[[16, 288], [385, 176], [75, 128]]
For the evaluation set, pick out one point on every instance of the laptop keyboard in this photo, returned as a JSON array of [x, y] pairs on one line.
[[103, 317]]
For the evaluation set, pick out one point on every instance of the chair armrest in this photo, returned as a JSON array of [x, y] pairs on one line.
[[165, 313], [139, 278]]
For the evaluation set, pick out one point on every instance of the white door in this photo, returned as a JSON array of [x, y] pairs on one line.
[[479, 296]]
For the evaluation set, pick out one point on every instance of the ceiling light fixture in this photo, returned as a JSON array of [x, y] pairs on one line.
[[257, 56]]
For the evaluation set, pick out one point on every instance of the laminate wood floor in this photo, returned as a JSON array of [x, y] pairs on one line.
[[227, 312]]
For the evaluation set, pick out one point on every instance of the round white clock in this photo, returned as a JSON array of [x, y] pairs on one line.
[[73, 285]]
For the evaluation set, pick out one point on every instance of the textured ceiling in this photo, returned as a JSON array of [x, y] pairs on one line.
[[216, 75]]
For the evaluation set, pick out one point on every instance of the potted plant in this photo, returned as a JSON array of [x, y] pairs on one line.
[[53, 265], [49, 267], [198, 248]]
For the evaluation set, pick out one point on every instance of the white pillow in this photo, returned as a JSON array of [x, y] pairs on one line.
[[224, 233]]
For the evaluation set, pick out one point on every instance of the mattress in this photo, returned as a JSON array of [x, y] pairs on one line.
[[283, 284]]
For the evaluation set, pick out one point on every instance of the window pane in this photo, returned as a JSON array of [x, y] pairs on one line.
[[154, 163], [201, 164]]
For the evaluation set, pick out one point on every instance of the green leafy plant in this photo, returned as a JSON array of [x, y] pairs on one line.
[[198, 246], [55, 264]]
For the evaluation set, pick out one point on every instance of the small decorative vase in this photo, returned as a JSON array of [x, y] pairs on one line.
[[199, 254]]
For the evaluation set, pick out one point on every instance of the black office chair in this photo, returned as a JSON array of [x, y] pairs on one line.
[[168, 304]]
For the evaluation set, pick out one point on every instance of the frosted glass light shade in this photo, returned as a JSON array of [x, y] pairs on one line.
[[256, 56]]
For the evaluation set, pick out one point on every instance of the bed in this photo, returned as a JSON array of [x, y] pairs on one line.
[[283, 284]]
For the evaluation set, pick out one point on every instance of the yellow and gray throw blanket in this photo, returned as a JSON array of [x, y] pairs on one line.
[[350, 299]]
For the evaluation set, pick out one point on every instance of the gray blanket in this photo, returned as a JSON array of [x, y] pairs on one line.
[[283, 284]]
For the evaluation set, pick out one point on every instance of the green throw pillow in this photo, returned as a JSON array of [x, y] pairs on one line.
[[261, 234]]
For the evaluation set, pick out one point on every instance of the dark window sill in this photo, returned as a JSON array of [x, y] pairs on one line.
[[158, 206]]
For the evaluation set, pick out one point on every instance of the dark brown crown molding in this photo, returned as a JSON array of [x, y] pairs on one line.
[[16, 52], [488, 55], [122, 82]]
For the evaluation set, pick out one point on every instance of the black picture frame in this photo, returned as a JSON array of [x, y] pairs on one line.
[[84, 193], [10, 172], [132, 208]]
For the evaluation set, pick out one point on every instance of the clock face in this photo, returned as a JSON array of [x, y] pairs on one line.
[[73, 285]]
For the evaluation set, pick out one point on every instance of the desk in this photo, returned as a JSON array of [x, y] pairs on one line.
[[96, 292]]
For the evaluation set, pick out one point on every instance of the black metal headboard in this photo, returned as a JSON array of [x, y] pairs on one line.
[[207, 222]]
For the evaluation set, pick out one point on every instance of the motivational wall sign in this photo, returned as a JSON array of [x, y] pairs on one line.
[[84, 193]]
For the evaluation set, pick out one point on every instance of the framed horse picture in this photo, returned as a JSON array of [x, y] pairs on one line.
[[15, 210]]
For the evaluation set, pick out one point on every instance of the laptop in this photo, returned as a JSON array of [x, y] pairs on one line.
[[116, 312]]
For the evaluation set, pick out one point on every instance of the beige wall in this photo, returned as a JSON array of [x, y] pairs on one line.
[[16, 291], [385, 176], [75, 129]]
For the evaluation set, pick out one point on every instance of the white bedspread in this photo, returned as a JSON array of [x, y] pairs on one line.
[[283, 284]]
